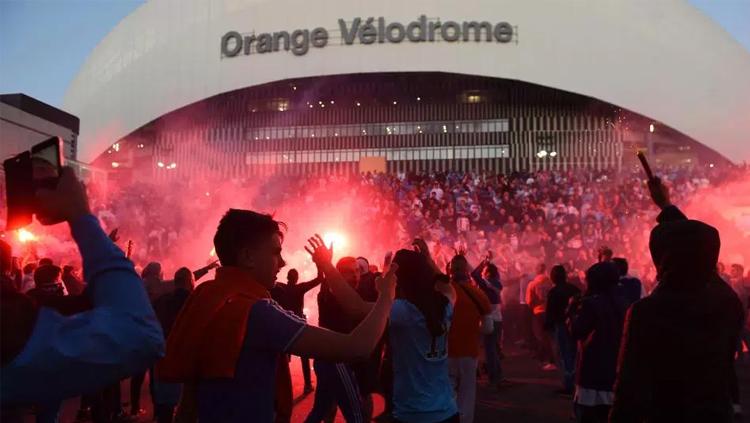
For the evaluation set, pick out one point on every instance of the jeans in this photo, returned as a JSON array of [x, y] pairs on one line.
[[492, 352], [566, 348], [336, 387], [463, 373]]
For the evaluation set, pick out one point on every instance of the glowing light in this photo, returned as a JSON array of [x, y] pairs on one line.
[[419, 98], [115, 165], [116, 146], [553, 153], [172, 165], [160, 164], [542, 154], [212, 253], [358, 104], [338, 240], [651, 128], [395, 102], [25, 236], [141, 145], [711, 165]]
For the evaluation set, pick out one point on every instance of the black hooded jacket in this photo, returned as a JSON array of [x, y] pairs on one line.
[[676, 359]]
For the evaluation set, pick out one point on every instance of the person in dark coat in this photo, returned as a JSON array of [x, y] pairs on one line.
[[676, 362], [557, 302], [596, 324], [167, 307]]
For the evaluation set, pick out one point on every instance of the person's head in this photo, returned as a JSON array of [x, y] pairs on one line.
[[349, 270], [183, 279], [416, 284], [541, 268], [621, 263], [601, 277], [292, 277], [152, 272], [685, 253], [48, 274], [29, 268], [737, 271], [605, 253], [46, 262], [490, 272], [558, 274], [458, 268], [364, 265], [252, 241]]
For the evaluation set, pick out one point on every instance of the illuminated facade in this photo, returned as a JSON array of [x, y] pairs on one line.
[[251, 87]]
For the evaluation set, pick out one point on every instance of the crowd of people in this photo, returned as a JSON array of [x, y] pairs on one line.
[[545, 259]]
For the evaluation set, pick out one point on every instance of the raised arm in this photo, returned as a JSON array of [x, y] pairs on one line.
[[345, 295], [306, 286], [322, 343], [120, 336], [422, 248]]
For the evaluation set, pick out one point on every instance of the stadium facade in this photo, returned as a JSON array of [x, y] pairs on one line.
[[241, 88]]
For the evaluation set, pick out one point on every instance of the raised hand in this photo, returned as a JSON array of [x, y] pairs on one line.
[[386, 284], [421, 247], [318, 250], [387, 261], [659, 192], [67, 202], [213, 265]]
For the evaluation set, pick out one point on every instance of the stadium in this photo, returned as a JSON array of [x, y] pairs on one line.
[[498, 86]]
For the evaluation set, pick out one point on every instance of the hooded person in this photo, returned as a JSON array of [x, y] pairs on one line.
[[596, 324], [676, 361]]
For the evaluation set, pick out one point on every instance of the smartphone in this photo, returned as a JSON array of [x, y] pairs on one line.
[[46, 163], [644, 163], [38, 168]]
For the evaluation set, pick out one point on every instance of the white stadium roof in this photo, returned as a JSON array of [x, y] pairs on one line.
[[663, 59]]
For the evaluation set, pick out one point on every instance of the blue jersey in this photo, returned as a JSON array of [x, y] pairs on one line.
[[422, 389]]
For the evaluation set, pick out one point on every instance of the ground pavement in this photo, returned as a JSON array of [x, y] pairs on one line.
[[529, 397]]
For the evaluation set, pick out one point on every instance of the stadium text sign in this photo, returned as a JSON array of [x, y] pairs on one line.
[[369, 31]]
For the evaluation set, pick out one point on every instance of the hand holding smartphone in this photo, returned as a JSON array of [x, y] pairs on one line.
[[24, 174]]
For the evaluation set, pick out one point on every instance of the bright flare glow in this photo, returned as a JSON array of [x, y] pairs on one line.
[[160, 164], [553, 154], [115, 165], [25, 236], [542, 154], [338, 240], [212, 253], [651, 127]]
